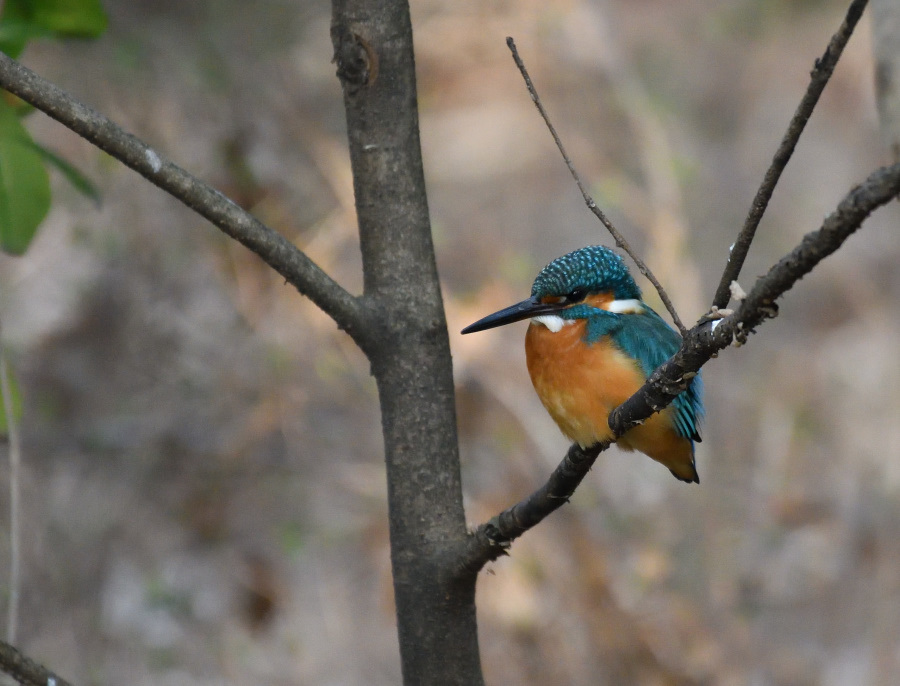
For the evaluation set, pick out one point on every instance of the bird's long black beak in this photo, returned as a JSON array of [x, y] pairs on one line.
[[514, 313]]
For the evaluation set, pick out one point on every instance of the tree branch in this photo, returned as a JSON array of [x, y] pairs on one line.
[[25, 670], [491, 539], [410, 346], [589, 201], [704, 341], [274, 249], [819, 77]]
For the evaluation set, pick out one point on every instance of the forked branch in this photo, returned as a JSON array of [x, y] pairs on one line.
[[819, 77], [491, 539], [274, 249]]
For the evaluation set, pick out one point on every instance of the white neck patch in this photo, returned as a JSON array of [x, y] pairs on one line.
[[555, 323], [552, 321], [626, 306]]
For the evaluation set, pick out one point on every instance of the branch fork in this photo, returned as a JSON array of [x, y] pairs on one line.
[[720, 327]]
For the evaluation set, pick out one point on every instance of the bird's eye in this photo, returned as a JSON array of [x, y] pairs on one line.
[[576, 296]]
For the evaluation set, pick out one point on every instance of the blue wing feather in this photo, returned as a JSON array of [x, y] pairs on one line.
[[647, 338]]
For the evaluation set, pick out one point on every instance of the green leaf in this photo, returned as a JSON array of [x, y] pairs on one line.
[[77, 18], [16, 403], [24, 184], [14, 33], [23, 20], [81, 182]]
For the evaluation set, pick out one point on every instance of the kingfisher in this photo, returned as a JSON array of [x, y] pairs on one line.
[[591, 344]]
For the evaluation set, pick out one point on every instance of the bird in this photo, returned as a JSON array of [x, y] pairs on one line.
[[591, 344]]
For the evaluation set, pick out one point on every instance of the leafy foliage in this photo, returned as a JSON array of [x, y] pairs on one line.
[[24, 184], [24, 20], [24, 181]]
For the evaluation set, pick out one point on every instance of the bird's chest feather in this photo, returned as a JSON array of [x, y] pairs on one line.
[[579, 383]]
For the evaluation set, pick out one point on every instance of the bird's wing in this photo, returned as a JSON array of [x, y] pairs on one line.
[[647, 338]]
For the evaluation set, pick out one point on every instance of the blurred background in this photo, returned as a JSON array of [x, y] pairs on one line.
[[204, 496]]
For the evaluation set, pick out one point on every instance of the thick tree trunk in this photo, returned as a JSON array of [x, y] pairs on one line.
[[407, 343]]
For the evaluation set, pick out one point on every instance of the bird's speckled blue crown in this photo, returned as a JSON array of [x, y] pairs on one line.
[[595, 269]]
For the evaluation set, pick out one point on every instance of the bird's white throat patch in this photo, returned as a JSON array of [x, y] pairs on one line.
[[552, 321], [632, 306], [555, 322]]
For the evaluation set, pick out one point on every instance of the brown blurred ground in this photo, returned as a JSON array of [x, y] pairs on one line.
[[204, 492]]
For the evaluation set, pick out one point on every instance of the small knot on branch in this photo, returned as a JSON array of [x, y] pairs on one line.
[[357, 63], [492, 531]]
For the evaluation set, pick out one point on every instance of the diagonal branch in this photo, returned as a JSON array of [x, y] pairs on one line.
[[25, 670], [274, 249], [491, 539], [589, 201], [516, 520], [704, 341], [819, 77]]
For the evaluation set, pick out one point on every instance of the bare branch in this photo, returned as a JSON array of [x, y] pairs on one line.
[[278, 252], [819, 77], [410, 347], [705, 340], [592, 206], [25, 670], [490, 540]]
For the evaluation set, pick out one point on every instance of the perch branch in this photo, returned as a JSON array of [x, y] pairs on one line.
[[589, 201], [274, 249], [491, 539], [516, 520], [821, 73], [25, 670]]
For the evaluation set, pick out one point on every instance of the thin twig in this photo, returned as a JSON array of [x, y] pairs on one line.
[[15, 460], [491, 539], [589, 201], [819, 77], [25, 670], [277, 251]]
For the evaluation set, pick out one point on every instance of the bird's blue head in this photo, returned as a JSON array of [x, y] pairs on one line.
[[594, 269], [564, 283]]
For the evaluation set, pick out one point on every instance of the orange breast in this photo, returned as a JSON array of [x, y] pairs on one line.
[[579, 384]]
